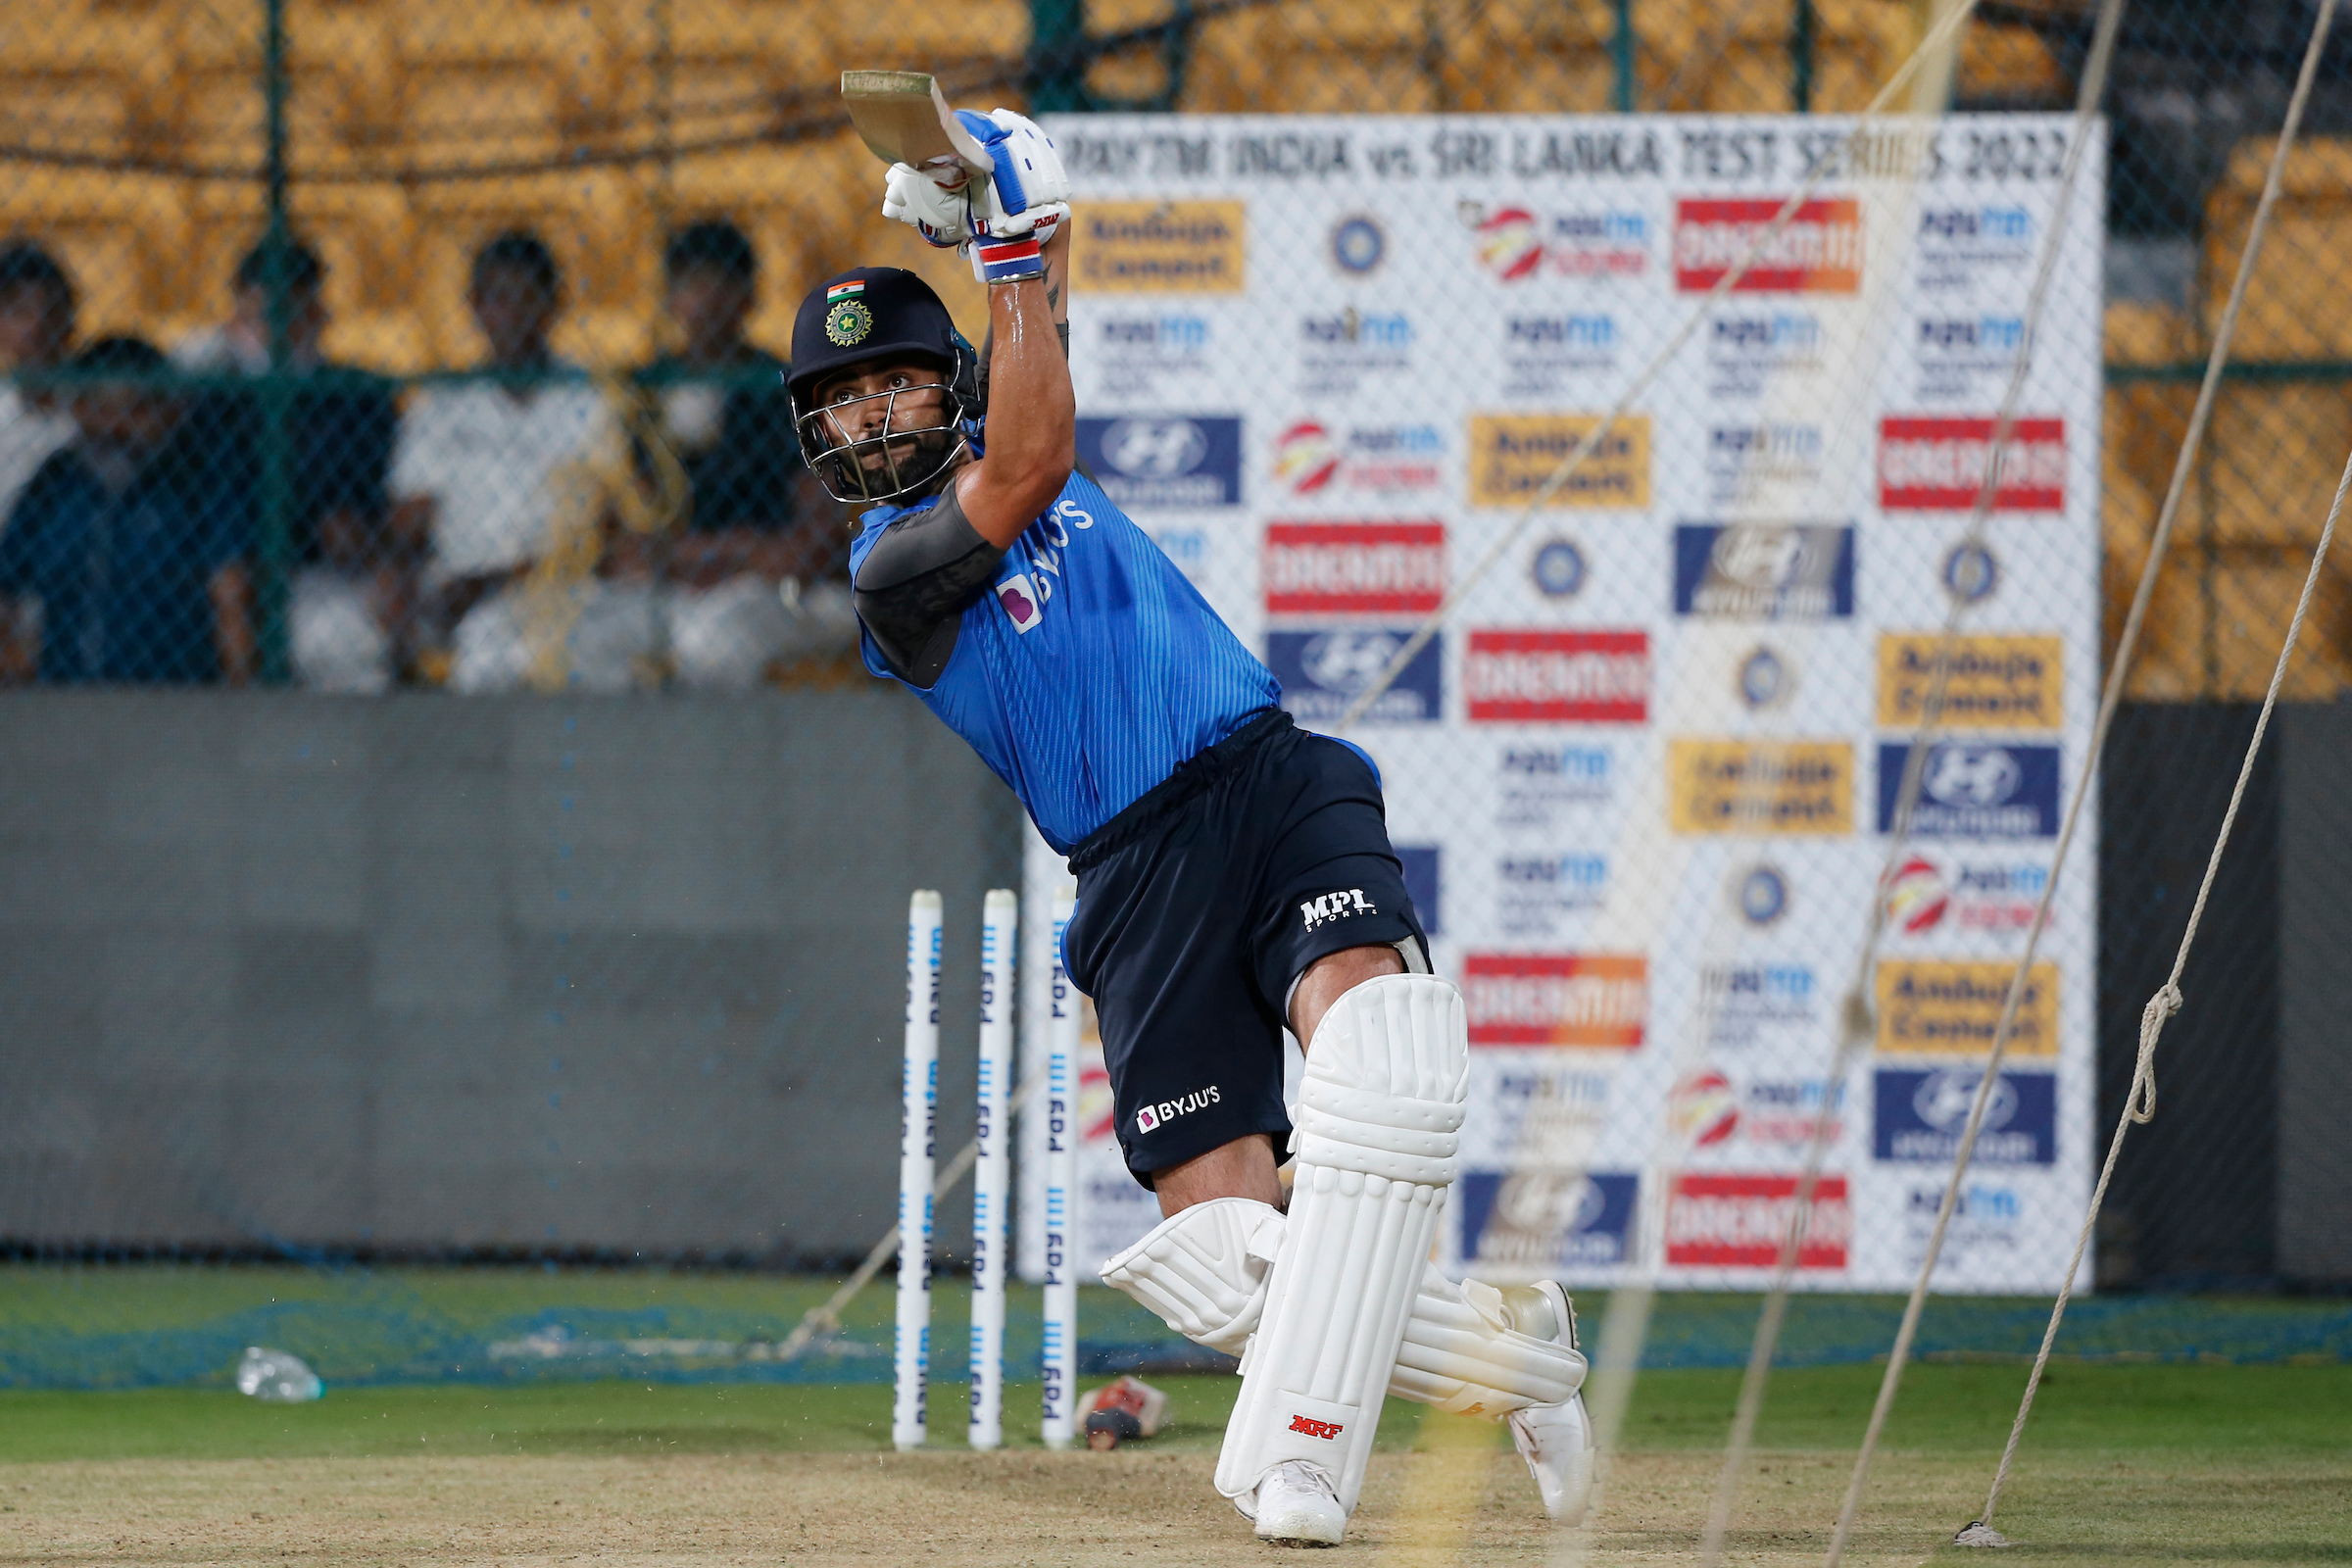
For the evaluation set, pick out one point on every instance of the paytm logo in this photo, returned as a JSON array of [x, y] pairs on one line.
[[2007, 225], [1351, 328], [1981, 334], [1564, 332], [1168, 334]]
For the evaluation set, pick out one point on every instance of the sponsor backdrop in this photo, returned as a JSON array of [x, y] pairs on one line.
[[1644, 778]]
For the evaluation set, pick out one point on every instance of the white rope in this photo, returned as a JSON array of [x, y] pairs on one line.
[[1640, 383], [2140, 1102], [825, 1317], [1856, 1025]]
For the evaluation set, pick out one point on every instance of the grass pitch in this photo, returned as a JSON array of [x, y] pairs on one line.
[[2160, 1464]]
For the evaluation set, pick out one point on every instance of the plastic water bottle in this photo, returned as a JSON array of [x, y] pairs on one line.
[[276, 1376]]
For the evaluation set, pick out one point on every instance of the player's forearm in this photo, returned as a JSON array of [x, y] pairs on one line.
[[1032, 411]]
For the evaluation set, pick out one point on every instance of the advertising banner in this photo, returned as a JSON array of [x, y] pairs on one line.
[[1645, 779]]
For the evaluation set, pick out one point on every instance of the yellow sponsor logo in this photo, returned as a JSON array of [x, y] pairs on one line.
[[1159, 247], [1993, 683], [1953, 1010], [1760, 787], [1512, 456]]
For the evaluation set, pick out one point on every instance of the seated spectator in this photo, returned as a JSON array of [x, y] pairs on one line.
[[477, 469], [124, 537], [753, 570], [37, 326], [347, 590]]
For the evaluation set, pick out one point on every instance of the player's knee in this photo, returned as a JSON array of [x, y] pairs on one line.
[[1331, 977]]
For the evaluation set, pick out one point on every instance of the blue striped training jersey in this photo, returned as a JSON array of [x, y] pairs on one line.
[[1089, 668]]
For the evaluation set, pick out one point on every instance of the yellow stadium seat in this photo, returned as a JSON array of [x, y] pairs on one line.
[[2148, 332], [2010, 63], [119, 238], [735, 68], [928, 35], [498, 84], [342, 80], [594, 221], [2272, 458], [2294, 305], [2216, 621], [362, 233]]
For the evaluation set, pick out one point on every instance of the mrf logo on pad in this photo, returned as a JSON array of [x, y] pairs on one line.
[[1309, 1426]]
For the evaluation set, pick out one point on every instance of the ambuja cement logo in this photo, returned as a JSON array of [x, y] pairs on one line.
[[1152, 1116], [1326, 908]]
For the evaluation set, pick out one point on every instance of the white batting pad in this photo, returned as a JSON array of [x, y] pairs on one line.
[[1385, 1079], [1204, 1270], [1460, 1354]]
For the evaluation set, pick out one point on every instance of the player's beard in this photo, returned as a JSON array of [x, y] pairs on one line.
[[889, 466]]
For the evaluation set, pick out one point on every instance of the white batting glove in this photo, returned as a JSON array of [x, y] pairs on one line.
[[941, 216]]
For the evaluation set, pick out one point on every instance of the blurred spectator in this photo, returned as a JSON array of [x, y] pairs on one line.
[[476, 469], [36, 327], [347, 591], [124, 537], [750, 577]]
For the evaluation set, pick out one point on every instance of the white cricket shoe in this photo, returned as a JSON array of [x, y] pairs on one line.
[[1296, 1507], [1556, 1439]]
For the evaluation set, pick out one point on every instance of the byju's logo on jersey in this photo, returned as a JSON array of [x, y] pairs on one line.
[[1970, 791], [1144, 462], [1325, 908], [1018, 595], [1764, 571], [1153, 1116], [1323, 672]]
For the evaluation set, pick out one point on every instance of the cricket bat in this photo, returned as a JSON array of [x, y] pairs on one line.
[[903, 118]]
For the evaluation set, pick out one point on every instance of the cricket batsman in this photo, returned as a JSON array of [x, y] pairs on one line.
[[1234, 871]]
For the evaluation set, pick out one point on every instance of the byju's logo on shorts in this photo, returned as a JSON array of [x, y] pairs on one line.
[[1326, 908], [1151, 1117]]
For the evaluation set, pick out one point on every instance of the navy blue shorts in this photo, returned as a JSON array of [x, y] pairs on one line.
[[1199, 907]]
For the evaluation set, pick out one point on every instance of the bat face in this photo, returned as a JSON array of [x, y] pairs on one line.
[[903, 118]]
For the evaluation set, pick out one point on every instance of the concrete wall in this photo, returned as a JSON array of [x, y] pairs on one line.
[[427, 972], [2314, 1034]]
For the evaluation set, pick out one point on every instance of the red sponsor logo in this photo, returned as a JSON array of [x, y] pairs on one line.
[[1592, 677], [1939, 465], [1511, 244], [1600, 999], [1309, 1426], [1818, 251], [1703, 1107], [1354, 567], [1741, 1221]]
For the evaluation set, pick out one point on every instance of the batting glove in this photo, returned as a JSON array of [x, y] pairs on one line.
[[941, 216]]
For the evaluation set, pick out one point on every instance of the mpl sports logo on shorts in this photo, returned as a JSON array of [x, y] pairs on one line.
[[1325, 908], [1921, 1115], [1306, 1425], [1740, 1221], [1819, 251], [1558, 677], [1597, 1000], [1151, 1117], [1764, 571], [1181, 460], [1938, 464], [1353, 568], [1973, 790], [1313, 458]]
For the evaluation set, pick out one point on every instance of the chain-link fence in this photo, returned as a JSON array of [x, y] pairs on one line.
[[429, 351]]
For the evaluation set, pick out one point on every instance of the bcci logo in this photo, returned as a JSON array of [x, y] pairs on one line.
[[848, 322]]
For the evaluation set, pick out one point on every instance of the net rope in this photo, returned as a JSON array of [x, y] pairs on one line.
[[2139, 1103], [1856, 1024]]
